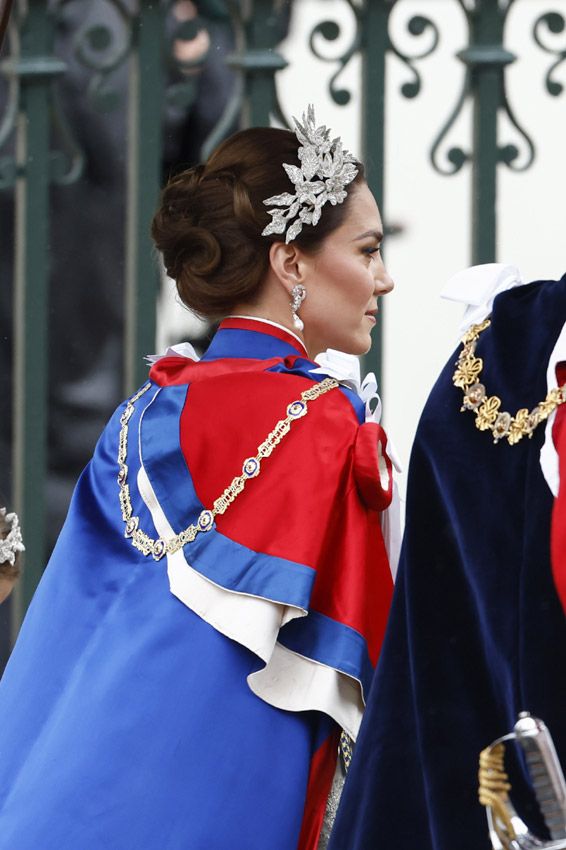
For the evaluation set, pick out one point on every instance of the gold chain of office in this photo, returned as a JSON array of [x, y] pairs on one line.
[[487, 408], [250, 469]]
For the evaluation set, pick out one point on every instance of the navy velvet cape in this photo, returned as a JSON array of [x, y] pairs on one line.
[[476, 632]]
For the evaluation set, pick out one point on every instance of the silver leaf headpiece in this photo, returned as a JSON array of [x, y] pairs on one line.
[[320, 158], [12, 543]]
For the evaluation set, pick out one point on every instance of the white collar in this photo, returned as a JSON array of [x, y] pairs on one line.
[[477, 288], [185, 349], [274, 325]]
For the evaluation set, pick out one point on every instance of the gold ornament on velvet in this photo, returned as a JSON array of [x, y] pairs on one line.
[[487, 408]]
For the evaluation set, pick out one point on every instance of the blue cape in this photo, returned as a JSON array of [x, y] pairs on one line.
[[127, 721], [121, 709]]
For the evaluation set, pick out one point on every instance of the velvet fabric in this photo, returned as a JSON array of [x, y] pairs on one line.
[[476, 632], [126, 719]]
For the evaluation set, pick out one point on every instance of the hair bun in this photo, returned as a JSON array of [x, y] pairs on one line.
[[209, 223], [201, 254], [176, 231]]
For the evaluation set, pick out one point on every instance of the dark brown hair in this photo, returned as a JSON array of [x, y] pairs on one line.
[[209, 222]]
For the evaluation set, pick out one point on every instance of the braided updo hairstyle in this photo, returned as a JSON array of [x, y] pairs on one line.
[[210, 218]]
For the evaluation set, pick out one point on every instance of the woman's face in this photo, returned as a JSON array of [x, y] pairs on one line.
[[344, 280]]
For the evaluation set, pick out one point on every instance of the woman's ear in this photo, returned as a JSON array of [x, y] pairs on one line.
[[287, 263]]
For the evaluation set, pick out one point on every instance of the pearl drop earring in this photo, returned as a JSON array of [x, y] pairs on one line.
[[298, 295]]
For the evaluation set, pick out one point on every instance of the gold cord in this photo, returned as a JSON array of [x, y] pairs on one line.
[[250, 469], [494, 787], [487, 408]]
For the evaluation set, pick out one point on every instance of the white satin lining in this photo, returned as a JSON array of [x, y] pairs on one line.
[[548, 453], [295, 683], [392, 525], [288, 681]]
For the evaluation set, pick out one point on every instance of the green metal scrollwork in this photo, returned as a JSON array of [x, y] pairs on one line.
[[417, 26], [144, 153], [255, 100], [482, 58], [102, 47], [556, 24], [24, 69], [330, 30], [31, 68], [374, 46], [484, 86]]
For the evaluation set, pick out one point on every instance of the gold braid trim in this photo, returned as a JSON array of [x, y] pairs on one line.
[[486, 408], [250, 469], [494, 787]]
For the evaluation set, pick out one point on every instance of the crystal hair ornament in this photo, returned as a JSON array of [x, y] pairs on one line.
[[320, 158], [12, 543]]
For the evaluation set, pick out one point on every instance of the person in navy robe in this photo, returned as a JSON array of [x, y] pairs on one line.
[[209, 622], [477, 632]]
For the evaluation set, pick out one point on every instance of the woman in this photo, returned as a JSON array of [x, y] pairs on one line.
[[214, 608]]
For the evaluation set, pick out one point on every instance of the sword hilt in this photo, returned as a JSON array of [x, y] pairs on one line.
[[545, 772]]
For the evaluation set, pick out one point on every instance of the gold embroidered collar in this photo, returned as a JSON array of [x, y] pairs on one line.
[[489, 416]]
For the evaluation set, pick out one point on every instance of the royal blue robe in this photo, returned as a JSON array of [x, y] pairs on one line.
[[138, 711]]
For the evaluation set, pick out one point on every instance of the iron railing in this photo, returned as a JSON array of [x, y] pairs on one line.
[[37, 148]]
